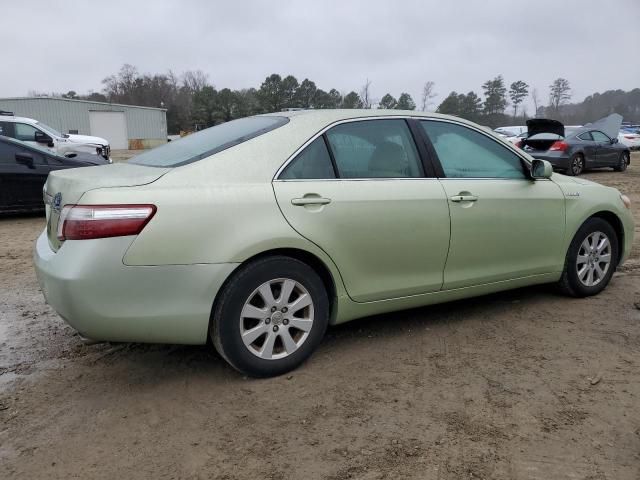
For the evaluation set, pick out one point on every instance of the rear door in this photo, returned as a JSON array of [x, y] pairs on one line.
[[503, 225], [606, 153], [359, 192]]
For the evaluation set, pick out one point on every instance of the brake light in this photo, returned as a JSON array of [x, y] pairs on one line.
[[559, 146], [630, 137], [518, 144], [84, 222]]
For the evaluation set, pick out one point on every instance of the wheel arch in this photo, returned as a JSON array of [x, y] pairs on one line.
[[316, 263], [615, 222]]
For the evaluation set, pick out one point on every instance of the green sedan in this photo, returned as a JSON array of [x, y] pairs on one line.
[[259, 233]]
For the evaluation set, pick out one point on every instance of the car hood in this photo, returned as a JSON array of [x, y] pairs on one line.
[[544, 125], [87, 139], [609, 125]]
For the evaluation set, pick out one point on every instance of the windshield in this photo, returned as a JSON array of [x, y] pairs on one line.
[[209, 141], [49, 130]]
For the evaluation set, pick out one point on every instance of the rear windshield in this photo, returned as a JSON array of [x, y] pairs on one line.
[[209, 141]]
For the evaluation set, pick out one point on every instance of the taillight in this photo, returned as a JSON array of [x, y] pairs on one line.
[[83, 222], [518, 144], [559, 146], [630, 137]]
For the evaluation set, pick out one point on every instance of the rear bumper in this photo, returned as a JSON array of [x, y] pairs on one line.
[[92, 290]]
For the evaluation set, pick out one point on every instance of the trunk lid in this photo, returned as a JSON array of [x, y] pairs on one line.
[[544, 125], [542, 133], [65, 187]]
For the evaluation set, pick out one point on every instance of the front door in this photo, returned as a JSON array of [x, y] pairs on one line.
[[503, 225], [359, 192], [606, 153], [24, 173]]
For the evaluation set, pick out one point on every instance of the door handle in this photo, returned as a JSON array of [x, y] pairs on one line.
[[25, 159], [310, 201], [464, 198]]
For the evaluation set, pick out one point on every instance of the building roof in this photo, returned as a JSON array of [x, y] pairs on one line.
[[82, 101]]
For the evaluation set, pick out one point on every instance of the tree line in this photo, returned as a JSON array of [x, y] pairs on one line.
[[193, 102]]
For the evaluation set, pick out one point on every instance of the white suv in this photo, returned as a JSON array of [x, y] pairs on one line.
[[40, 135]]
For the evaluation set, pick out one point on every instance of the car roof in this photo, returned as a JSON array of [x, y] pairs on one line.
[[13, 118], [325, 117]]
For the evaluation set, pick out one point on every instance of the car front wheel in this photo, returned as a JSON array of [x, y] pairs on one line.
[[270, 316], [591, 259], [623, 162]]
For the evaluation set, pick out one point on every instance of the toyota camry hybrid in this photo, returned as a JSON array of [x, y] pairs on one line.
[[259, 233]]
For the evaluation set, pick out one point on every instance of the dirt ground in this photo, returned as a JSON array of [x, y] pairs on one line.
[[519, 385]]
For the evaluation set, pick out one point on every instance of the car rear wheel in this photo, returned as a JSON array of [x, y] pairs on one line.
[[270, 316], [591, 260], [576, 165], [623, 162]]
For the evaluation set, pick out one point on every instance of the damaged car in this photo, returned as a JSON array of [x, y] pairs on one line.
[[573, 150]]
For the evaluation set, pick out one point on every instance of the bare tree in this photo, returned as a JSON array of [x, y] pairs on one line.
[[536, 101], [560, 93], [194, 80], [365, 95], [427, 94]]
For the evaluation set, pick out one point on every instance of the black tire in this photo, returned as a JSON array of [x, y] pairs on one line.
[[623, 162], [576, 165], [570, 283], [226, 319]]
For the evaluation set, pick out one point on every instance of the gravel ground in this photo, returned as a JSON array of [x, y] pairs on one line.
[[519, 385]]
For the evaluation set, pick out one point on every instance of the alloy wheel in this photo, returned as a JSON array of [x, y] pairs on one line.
[[577, 165], [624, 161], [276, 319], [594, 259]]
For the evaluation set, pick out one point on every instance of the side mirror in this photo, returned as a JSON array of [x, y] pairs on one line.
[[541, 169], [43, 138], [614, 140]]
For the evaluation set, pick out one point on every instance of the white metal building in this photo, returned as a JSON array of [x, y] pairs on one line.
[[124, 126]]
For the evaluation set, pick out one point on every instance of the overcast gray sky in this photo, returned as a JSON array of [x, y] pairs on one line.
[[72, 45]]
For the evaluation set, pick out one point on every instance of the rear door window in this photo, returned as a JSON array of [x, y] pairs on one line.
[[314, 162], [586, 136], [375, 149]]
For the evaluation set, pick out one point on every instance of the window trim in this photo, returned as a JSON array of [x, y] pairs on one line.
[[427, 173], [524, 163]]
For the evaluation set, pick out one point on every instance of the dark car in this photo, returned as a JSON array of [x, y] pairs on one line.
[[575, 149], [24, 170]]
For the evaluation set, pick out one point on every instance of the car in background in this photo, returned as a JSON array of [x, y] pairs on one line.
[[39, 134], [516, 139], [630, 137], [512, 131], [258, 233], [575, 149], [24, 169]]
